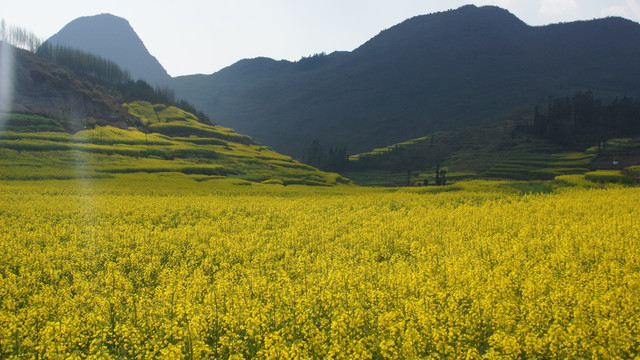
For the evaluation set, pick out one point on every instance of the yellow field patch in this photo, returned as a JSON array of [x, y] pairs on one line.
[[163, 266]]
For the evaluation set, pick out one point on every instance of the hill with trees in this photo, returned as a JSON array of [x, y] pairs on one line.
[[430, 73], [41, 87], [568, 135], [582, 120], [76, 115]]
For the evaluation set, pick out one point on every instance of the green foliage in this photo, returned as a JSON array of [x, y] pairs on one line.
[[335, 159], [273, 182], [29, 123], [633, 171], [497, 150], [583, 120], [174, 122], [143, 111], [141, 91], [84, 63], [462, 150], [500, 150], [395, 179], [540, 166], [608, 176], [201, 141], [575, 180], [107, 71], [188, 170], [108, 151]]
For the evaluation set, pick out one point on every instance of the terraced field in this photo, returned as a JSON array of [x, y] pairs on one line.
[[175, 142], [531, 166]]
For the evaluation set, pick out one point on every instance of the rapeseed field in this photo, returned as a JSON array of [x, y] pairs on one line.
[[151, 266]]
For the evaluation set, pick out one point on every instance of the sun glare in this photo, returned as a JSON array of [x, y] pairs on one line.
[[6, 81], [82, 166]]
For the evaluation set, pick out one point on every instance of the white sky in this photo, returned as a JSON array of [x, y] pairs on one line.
[[203, 36]]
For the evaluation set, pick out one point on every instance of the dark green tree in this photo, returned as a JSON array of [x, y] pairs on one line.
[[335, 159], [313, 155], [582, 120]]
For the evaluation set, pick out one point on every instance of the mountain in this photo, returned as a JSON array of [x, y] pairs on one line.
[[62, 125], [432, 72], [113, 38]]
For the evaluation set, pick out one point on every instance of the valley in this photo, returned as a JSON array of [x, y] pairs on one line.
[[461, 186]]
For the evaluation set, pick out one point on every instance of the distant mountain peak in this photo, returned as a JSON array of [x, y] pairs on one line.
[[112, 37], [465, 22], [473, 13], [105, 17]]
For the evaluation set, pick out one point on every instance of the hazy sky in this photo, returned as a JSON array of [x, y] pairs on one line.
[[200, 36]]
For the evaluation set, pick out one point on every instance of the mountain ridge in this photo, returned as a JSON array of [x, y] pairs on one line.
[[431, 72], [428, 73]]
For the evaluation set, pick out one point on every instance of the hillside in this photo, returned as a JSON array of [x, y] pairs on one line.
[[64, 126], [43, 88], [498, 150], [113, 38], [35, 148], [432, 72]]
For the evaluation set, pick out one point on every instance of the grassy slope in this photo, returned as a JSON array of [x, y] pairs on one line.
[[34, 147], [491, 151], [177, 142]]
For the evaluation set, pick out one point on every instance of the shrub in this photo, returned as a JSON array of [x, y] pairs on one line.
[[608, 176]]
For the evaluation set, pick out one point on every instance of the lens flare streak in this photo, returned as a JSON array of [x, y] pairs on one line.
[[6, 81]]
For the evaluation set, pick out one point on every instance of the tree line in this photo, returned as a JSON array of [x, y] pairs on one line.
[[422, 155], [84, 63], [312, 61], [398, 158], [335, 159], [582, 120], [96, 67], [109, 72], [141, 90], [19, 37]]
